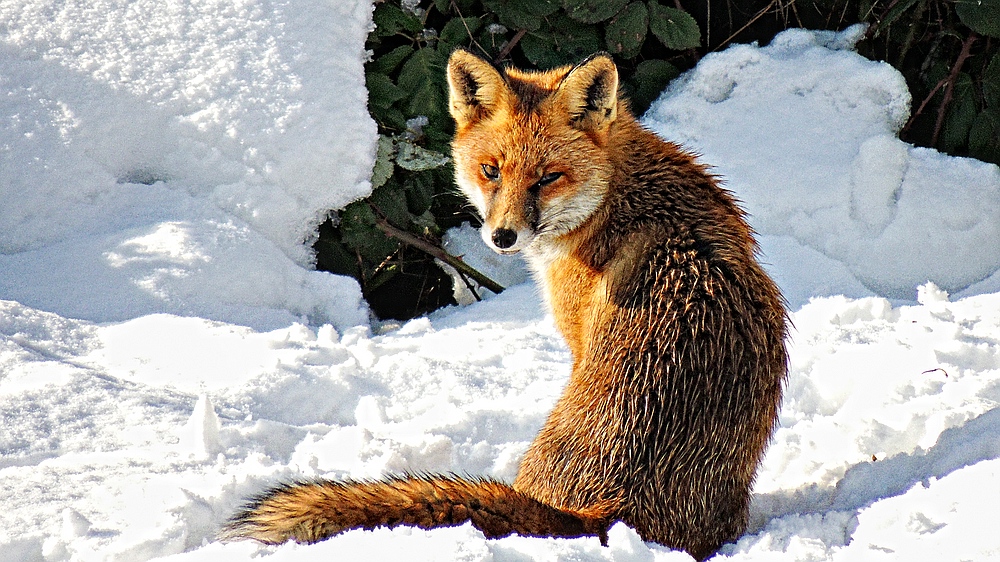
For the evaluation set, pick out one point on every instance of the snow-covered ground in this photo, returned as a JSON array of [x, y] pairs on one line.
[[165, 351]]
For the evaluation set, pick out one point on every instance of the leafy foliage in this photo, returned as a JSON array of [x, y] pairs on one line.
[[947, 49], [674, 28], [949, 52], [982, 16]]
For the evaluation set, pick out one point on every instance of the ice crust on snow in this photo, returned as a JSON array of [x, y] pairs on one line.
[[165, 354]]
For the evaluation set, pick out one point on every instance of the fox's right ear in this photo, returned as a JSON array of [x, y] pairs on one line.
[[589, 93], [475, 88]]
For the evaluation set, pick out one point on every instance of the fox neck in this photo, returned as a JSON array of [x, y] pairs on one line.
[[546, 250], [569, 283]]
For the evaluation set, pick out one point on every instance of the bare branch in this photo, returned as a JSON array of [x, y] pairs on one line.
[[437, 252]]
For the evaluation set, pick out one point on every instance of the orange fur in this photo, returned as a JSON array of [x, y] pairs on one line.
[[649, 268], [308, 512]]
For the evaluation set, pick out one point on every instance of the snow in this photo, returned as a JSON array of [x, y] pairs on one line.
[[169, 157], [166, 352]]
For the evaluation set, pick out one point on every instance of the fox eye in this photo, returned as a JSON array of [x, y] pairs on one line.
[[549, 178], [491, 172]]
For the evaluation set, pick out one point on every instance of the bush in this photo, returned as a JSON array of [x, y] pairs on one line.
[[389, 242], [414, 196], [948, 52]]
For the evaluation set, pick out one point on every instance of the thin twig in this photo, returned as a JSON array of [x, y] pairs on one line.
[[923, 104], [950, 88], [509, 46], [437, 252], [468, 284], [759, 15], [467, 30], [708, 23], [842, 15]]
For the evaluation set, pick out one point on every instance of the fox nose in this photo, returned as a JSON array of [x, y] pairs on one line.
[[504, 238]]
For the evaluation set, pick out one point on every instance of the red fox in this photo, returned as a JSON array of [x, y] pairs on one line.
[[677, 334]]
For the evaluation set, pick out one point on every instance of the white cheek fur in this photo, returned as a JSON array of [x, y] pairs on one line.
[[472, 193], [563, 214]]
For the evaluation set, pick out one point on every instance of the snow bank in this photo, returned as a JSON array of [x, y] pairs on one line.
[[804, 131], [175, 157]]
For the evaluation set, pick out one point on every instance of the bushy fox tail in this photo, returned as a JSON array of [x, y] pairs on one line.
[[308, 512]]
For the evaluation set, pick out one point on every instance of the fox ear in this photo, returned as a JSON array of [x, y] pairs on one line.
[[589, 93], [475, 88]]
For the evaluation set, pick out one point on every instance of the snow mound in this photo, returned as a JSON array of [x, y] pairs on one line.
[[166, 157], [804, 131]]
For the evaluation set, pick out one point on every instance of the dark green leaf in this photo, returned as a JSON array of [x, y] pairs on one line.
[[388, 62], [381, 91], [359, 233], [383, 161], [648, 81], [426, 65], [391, 19], [428, 99], [626, 32], [592, 11], [561, 41], [515, 14], [991, 83], [676, 29], [422, 78], [541, 8], [388, 117], [984, 137], [982, 16], [419, 193], [458, 30], [961, 114], [437, 135], [390, 200], [541, 51]]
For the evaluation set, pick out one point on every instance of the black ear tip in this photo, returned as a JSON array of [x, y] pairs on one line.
[[599, 55]]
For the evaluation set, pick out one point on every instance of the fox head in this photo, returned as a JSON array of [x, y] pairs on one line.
[[531, 148]]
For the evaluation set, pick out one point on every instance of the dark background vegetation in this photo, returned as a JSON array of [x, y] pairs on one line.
[[946, 49]]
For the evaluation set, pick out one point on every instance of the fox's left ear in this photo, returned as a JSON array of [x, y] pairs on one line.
[[475, 88], [589, 93]]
